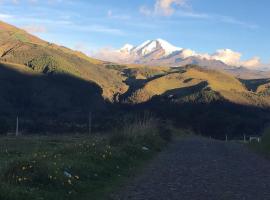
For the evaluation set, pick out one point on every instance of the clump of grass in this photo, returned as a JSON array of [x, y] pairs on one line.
[[145, 129]]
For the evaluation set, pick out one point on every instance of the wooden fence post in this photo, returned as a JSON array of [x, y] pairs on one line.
[[17, 126], [90, 123]]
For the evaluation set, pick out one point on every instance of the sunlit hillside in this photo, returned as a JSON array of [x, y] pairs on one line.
[[227, 86], [17, 46]]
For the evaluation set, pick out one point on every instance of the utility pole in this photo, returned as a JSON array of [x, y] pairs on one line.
[[90, 123], [17, 126]]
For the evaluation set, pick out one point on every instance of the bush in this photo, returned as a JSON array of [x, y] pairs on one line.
[[265, 143], [263, 146]]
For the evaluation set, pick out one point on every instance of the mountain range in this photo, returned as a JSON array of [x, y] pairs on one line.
[[54, 88], [161, 53]]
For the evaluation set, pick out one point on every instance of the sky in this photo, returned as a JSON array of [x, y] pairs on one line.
[[200, 25]]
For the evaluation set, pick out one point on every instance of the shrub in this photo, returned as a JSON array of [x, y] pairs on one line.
[[263, 146], [265, 143]]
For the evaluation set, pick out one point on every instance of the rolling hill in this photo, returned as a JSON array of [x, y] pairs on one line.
[[183, 83], [53, 88], [17, 46]]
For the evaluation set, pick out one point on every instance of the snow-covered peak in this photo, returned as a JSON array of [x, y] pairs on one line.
[[141, 46], [147, 47], [150, 46], [126, 48], [167, 47]]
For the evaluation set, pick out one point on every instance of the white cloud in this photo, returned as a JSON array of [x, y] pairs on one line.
[[231, 20], [163, 7], [185, 53], [166, 7], [81, 47], [30, 1], [233, 58], [99, 29], [227, 56], [252, 63], [5, 16], [113, 55], [112, 15], [146, 11], [35, 29], [182, 8]]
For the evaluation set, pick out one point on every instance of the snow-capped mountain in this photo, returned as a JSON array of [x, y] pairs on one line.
[[126, 48], [152, 46], [161, 53], [149, 47]]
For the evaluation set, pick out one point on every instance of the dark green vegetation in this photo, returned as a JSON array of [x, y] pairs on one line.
[[262, 147], [76, 167], [52, 89]]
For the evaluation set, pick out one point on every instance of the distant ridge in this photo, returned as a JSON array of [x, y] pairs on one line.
[[159, 52]]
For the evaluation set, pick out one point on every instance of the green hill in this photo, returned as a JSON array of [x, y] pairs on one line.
[[178, 83], [43, 99], [17, 46], [53, 88]]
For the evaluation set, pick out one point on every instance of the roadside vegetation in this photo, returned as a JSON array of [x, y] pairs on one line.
[[77, 167], [262, 147]]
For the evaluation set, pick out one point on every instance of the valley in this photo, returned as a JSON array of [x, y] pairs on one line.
[[134, 100], [74, 126], [62, 86]]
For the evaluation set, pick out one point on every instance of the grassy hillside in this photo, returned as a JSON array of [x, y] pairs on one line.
[[174, 82], [53, 88], [17, 46], [45, 98], [134, 83]]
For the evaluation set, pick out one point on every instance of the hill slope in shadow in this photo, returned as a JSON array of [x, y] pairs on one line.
[[46, 98]]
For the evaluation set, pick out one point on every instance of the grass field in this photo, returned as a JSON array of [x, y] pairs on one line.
[[72, 167]]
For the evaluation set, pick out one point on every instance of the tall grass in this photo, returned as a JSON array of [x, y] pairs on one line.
[[144, 127], [140, 125]]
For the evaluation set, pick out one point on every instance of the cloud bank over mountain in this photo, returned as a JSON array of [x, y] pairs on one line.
[[161, 52]]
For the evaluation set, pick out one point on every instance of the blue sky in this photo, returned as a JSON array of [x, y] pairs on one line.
[[201, 25]]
